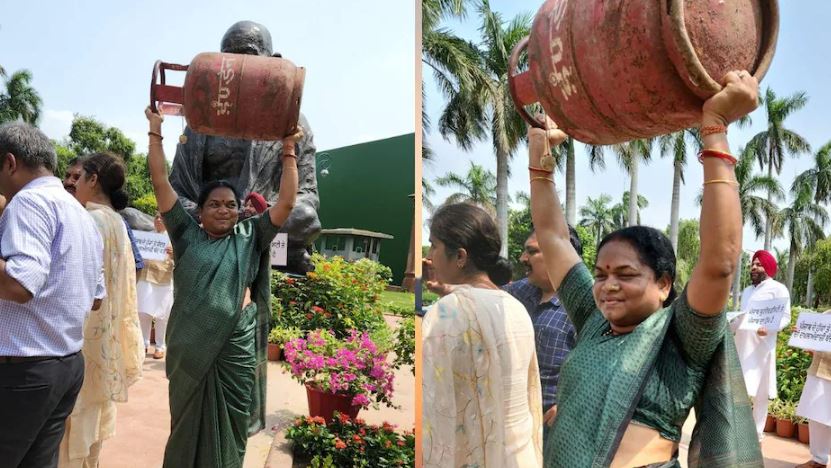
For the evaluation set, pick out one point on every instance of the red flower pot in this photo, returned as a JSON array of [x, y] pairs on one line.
[[274, 352], [323, 404], [770, 423], [804, 435], [785, 428]]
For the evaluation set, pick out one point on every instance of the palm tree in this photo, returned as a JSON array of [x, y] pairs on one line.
[[597, 216], [454, 61], [675, 145], [803, 220], [487, 108], [427, 191], [595, 162], [21, 100], [630, 155], [776, 141], [477, 186], [620, 212], [818, 176]]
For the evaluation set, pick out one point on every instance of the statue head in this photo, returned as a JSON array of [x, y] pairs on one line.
[[247, 37]]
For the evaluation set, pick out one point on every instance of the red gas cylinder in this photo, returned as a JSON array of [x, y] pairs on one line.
[[233, 95], [609, 71]]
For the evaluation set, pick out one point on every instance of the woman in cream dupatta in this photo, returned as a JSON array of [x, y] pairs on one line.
[[481, 384], [112, 338]]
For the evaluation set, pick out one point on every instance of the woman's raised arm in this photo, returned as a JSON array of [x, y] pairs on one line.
[[549, 221], [721, 217], [288, 180], [165, 195]]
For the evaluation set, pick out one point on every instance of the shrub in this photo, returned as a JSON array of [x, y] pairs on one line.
[[338, 296], [405, 344], [146, 204], [791, 365], [351, 443]]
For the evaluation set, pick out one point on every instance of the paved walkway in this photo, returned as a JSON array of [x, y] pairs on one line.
[[778, 452], [144, 421]]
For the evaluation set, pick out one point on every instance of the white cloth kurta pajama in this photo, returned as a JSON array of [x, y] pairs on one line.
[[155, 298], [815, 405], [757, 354]]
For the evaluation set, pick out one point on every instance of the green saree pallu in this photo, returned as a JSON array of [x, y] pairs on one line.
[[216, 363], [672, 361]]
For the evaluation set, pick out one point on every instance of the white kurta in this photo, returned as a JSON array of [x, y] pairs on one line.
[[757, 354]]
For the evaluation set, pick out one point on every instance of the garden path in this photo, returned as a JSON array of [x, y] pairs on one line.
[[143, 422]]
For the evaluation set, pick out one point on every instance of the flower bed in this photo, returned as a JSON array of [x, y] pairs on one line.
[[350, 443]]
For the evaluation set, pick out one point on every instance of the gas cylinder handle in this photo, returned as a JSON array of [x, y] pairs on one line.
[[521, 80], [161, 92], [690, 68]]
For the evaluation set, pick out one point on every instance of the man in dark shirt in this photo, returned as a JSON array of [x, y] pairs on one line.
[[555, 334]]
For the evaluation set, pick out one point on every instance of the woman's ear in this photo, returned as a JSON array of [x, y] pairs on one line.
[[461, 258]]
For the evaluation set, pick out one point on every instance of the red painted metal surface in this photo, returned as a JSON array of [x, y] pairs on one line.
[[233, 95], [609, 71]]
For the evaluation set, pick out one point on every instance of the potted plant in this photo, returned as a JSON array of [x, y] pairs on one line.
[[802, 430], [277, 337], [274, 350], [344, 375], [784, 420], [770, 422]]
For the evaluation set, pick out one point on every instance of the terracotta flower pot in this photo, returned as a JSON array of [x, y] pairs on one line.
[[274, 352], [785, 428], [804, 435], [324, 404], [770, 423]]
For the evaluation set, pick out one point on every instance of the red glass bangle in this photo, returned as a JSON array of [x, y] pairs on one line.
[[707, 153]]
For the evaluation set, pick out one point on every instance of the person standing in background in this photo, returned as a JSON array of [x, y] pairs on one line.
[[44, 233], [155, 295]]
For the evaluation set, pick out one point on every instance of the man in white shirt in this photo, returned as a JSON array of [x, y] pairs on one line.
[[757, 349], [50, 277]]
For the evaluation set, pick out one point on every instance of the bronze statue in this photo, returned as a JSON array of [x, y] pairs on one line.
[[253, 166]]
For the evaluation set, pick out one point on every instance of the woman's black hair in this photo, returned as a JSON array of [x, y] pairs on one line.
[[213, 185], [654, 250], [466, 226], [111, 174]]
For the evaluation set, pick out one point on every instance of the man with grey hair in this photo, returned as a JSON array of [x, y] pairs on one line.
[[50, 277]]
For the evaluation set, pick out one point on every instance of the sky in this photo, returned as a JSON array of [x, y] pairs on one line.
[[802, 63], [95, 58]]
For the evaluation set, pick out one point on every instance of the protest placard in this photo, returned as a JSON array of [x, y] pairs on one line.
[[813, 332], [766, 314], [279, 249], [151, 245]]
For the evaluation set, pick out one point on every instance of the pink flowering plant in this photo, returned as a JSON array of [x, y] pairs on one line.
[[353, 366]]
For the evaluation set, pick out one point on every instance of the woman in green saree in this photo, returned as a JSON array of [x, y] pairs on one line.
[[219, 320], [643, 357]]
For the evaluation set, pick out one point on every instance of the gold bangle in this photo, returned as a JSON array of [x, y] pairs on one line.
[[542, 178], [290, 155], [152, 133], [721, 181]]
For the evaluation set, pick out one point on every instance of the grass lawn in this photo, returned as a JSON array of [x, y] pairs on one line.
[[398, 303]]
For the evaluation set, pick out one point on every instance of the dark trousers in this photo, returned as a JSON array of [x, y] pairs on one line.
[[35, 400]]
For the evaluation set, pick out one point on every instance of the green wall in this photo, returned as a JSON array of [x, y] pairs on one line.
[[368, 186]]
